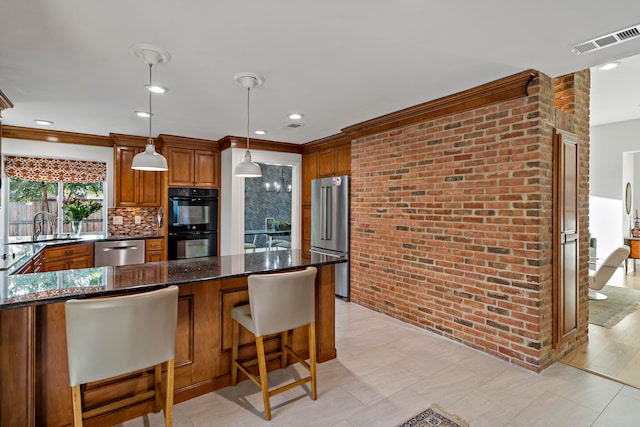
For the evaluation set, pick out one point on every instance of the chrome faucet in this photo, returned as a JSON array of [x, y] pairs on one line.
[[46, 218]]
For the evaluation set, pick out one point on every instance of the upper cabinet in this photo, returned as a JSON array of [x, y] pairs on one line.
[[192, 162], [134, 188]]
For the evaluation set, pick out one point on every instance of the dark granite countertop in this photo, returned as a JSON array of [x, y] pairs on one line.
[[45, 288], [17, 251]]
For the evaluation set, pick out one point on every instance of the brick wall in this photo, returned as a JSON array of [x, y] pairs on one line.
[[452, 226]]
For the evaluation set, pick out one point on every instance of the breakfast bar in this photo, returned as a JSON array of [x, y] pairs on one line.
[[33, 360]]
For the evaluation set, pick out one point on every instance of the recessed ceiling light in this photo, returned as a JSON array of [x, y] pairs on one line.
[[609, 66], [295, 116], [260, 132], [144, 114], [44, 122], [156, 88]]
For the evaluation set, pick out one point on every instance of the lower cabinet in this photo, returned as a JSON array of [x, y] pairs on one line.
[[67, 257], [154, 250]]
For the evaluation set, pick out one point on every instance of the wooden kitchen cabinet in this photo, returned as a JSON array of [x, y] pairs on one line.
[[334, 161], [323, 158], [135, 188], [192, 162], [154, 250], [67, 257]]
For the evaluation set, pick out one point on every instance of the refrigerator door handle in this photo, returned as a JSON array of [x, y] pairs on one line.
[[328, 214], [323, 212]]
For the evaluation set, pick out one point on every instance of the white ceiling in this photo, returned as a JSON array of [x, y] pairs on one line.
[[337, 62]]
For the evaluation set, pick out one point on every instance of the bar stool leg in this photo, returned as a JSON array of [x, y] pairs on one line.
[[168, 402], [312, 360], [264, 383], [76, 396]]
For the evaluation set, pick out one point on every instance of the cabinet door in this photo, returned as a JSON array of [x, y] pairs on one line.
[[126, 178], [205, 168], [80, 262], [306, 228], [149, 188], [180, 166], [343, 159], [309, 172], [327, 162]]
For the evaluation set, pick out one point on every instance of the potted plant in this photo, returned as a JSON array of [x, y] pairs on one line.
[[283, 225], [77, 209]]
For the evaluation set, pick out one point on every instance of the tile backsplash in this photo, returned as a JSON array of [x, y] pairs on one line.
[[148, 218]]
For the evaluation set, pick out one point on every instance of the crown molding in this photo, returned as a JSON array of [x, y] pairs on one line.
[[259, 144], [505, 89], [4, 102], [47, 135]]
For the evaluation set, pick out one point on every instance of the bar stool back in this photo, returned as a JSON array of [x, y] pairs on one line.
[[277, 303], [107, 337]]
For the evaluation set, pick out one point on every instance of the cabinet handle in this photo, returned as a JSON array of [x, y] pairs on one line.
[[68, 252]]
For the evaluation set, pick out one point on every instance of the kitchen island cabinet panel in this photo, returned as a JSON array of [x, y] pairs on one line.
[[203, 345]]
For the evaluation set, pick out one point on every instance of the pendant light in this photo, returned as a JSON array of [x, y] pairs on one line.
[[149, 160], [247, 168]]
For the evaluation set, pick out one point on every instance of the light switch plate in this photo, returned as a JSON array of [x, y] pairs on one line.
[[117, 220], [138, 219]]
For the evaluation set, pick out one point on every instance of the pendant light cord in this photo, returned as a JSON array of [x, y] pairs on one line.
[[150, 112], [248, 100]]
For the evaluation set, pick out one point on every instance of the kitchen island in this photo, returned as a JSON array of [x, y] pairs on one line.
[[33, 359]]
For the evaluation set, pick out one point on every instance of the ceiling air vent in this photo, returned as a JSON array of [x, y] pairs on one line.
[[607, 40], [293, 125]]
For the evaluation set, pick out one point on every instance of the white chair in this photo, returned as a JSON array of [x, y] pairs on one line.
[[107, 337], [279, 243], [600, 277], [252, 245], [277, 303]]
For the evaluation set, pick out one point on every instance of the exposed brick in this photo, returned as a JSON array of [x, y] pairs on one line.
[[452, 222]]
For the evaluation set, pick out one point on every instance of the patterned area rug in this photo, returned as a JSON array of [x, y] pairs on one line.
[[435, 416], [620, 303]]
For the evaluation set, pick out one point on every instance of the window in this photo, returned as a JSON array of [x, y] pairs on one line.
[[41, 184], [26, 198]]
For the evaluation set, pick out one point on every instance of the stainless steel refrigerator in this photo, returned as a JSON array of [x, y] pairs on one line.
[[330, 224]]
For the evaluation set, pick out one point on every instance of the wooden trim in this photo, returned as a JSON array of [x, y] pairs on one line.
[[47, 135], [183, 141], [128, 140], [511, 87], [259, 144], [329, 141], [4, 102]]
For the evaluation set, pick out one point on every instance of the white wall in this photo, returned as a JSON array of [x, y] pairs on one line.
[[21, 147], [232, 196], [614, 161]]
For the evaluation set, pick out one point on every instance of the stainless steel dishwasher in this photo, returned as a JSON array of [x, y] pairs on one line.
[[119, 252]]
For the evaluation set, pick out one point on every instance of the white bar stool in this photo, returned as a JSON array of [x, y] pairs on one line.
[[277, 303], [107, 337]]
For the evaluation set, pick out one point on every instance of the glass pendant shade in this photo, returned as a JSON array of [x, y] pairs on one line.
[[247, 168], [149, 160]]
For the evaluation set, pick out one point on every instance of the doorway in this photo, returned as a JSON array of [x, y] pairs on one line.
[[268, 206]]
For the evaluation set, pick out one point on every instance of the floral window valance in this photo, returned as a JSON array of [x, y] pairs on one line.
[[54, 170]]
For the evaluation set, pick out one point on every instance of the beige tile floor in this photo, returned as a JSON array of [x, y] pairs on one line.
[[387, 371]]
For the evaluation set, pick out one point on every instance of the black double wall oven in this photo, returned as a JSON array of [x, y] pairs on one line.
[[193, 222]]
